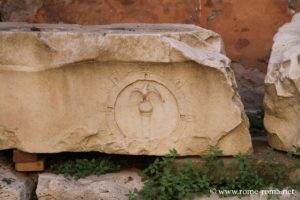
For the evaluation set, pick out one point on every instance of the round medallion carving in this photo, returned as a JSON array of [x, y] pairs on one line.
[[144, 106]]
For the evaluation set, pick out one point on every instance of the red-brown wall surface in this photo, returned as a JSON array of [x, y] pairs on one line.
[[247, 26]]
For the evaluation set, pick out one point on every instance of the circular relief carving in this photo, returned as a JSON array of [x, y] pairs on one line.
[[146, 109], [144, 105]]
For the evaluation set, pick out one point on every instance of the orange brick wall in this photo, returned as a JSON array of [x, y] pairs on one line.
[[247, 26]]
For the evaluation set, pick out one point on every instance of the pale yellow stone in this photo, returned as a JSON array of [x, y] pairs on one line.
[[282, 85], [111, 186], [126, 89]]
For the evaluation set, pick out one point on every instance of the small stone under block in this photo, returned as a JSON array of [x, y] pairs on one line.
[[21, 157], [30, 166], [27, 162]]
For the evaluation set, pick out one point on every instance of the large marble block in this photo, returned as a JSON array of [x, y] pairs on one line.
[[126, 89], [282, 85]]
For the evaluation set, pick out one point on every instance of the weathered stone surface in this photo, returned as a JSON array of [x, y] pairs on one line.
[[130, 89], [248, 43], [16, 11], [282, 85], [14, 186], [101, 11], [113, 186]]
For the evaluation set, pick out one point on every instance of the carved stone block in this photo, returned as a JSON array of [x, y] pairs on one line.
[[127, 89], [282, 85]]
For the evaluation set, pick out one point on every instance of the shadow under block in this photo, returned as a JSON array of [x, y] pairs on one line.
[[125, 89], [19, 157]]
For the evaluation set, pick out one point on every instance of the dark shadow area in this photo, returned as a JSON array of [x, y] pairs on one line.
[[256, 120], [124, 161]]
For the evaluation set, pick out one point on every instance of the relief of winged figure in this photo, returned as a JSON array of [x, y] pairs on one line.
[[145, 105]]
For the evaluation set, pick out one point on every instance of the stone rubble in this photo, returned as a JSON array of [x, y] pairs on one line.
[[14, 186], [112, 186]]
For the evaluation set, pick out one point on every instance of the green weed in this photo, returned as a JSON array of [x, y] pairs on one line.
[[167, 179], [8, 181], [81, 168]]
